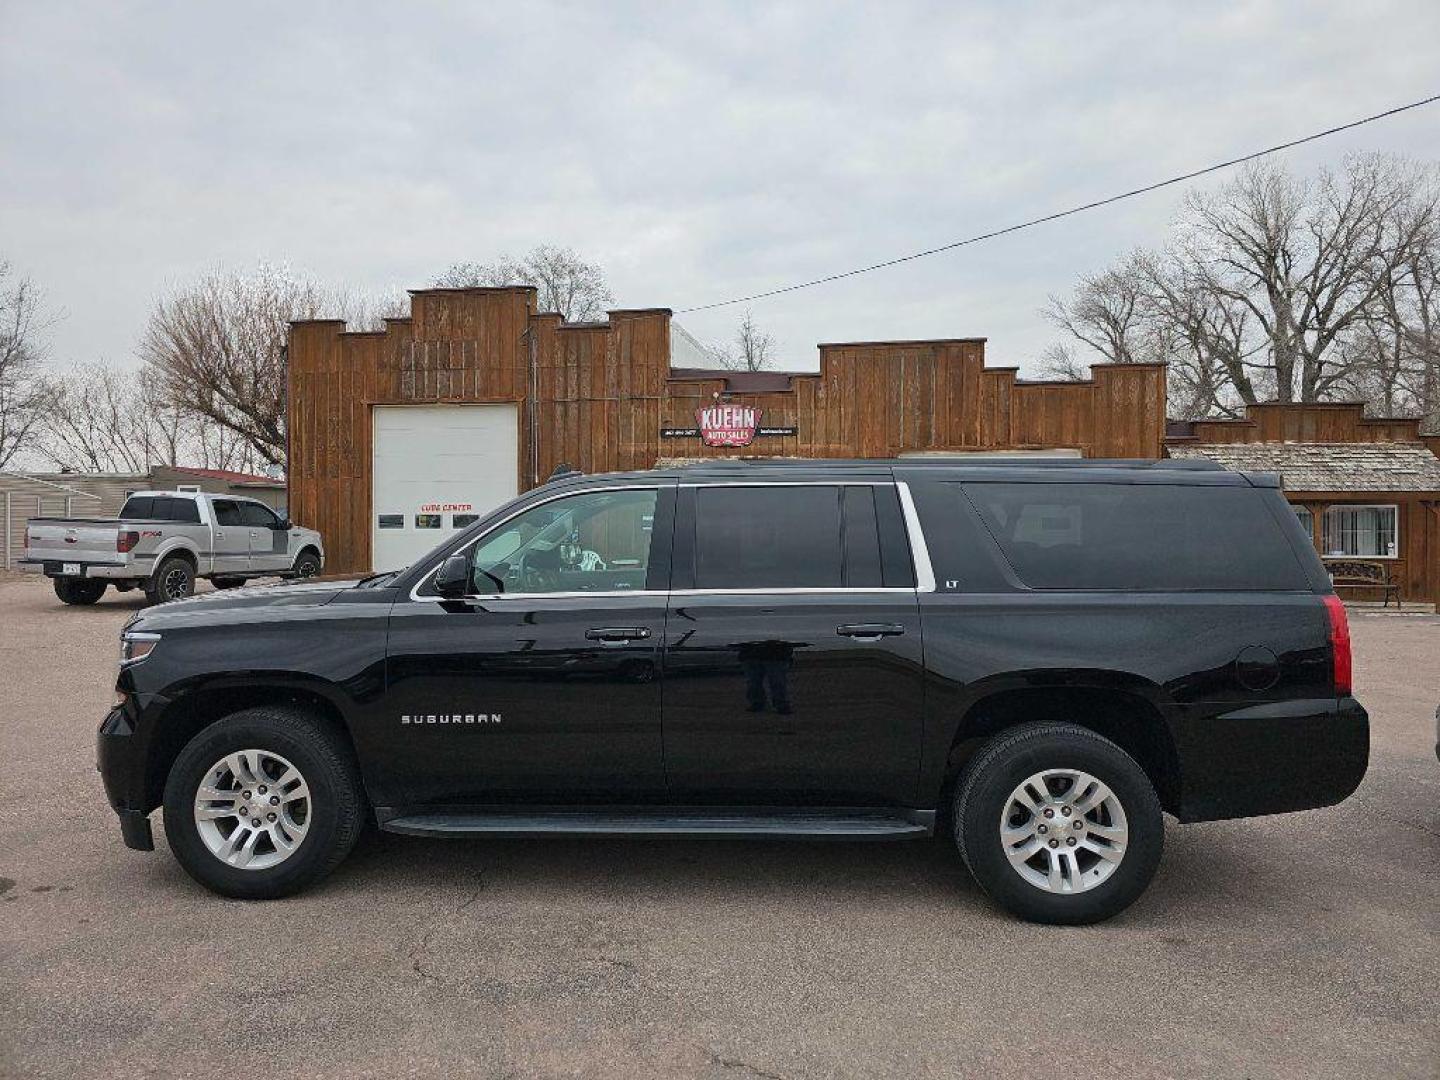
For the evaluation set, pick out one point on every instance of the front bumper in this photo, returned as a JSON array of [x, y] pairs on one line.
[[1273, 758], [120, 761]]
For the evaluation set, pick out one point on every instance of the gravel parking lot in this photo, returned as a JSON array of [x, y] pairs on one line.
[[1306, 945]]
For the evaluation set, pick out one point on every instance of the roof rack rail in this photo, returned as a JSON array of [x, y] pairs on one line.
[[959, 460]]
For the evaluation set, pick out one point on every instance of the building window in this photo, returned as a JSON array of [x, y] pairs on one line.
[[427, 521], [1362, 531], [464, 521], [1307, 519]]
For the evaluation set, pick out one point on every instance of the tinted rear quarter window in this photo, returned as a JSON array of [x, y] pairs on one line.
[[137, 508], [1138, 536]]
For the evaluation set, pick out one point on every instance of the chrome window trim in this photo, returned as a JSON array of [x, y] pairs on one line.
[[608, 595], [919, 552], [415, 589], [792, 483]]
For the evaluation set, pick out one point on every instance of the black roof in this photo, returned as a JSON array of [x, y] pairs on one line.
[[1031, 469]]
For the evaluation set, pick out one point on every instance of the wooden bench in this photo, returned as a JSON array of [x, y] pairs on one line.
[[1361, 574]]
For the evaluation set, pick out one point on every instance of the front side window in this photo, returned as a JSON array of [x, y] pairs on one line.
[[596, 541], [1362, 531], [254, 514]]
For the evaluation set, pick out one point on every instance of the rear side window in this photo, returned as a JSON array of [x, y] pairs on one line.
[[822, 536], [226, 512], [184, 511], [768, 537], [138, 508], [1138, 536]]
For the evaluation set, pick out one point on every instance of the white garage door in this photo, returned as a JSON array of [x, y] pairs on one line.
[[436, 468]]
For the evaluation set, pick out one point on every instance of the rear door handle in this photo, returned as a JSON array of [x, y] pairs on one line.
[[870, 631], [617, 635]]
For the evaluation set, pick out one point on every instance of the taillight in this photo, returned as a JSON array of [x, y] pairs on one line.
[[1339, 644], [125, 540]]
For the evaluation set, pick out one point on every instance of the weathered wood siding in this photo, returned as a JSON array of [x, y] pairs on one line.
[[603, 391]]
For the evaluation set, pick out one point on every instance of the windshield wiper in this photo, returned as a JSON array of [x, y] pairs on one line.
[[375, 581]]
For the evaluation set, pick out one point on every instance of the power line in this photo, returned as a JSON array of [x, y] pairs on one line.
[[1063, 213]]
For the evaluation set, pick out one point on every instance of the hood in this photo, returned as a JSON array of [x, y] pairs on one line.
[[197, 609]]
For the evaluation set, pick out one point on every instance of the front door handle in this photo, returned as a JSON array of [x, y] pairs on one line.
[[870, 631], [617, 635]]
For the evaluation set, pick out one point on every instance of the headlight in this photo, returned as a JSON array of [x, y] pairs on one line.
[[136, 646]]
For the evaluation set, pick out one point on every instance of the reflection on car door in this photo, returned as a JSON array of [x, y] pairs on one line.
[[792, 659], [269, 546], [232, 538], [549, 690]]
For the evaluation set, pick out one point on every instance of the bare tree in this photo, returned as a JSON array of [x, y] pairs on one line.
[[1107, 313], [1296, 290], [216, 348], [564, 282], [106, 419], [23, 390], [1306, 258], [752, 349]]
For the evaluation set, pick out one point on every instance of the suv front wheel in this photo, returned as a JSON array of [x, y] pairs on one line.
[[1058, 824], [263, 803]]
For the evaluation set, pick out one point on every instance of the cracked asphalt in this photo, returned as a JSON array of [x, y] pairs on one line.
[[1306, 945]]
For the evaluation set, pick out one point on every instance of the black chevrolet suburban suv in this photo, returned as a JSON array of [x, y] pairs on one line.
[[1039, 658]]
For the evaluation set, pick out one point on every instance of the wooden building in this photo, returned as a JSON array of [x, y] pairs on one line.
[[1368, 490], [401, 434]]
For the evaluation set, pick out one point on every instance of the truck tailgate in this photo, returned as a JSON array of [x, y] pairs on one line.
[[72, 541]]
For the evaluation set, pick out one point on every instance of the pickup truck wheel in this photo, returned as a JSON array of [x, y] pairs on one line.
[[307, 565], [263, 804], [1058, 824], [174, 579], [78, 590]]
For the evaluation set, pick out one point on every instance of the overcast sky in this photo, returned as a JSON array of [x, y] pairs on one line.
[[697, 152]]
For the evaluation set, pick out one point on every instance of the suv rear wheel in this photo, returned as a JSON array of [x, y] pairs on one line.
[[263, 804], [78, 590], [1058, 824]]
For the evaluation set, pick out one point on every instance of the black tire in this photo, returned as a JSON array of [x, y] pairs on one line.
[[227, 582], [336, 809], [306, 565], [983, 794], [78, 591], [174, 579]]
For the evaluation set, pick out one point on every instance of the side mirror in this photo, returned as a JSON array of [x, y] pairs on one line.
[[452, 580], [283, 525]]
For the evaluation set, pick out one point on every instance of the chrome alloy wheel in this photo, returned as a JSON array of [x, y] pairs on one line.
[[1064, 831], [175, 584], [252, 809]]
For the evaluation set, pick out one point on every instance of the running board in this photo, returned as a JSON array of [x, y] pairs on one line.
[[822, 824]]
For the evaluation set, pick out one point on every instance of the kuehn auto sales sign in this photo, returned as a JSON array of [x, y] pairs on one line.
[[728, 425]]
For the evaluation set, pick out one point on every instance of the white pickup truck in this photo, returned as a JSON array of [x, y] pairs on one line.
[[163, 541]]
